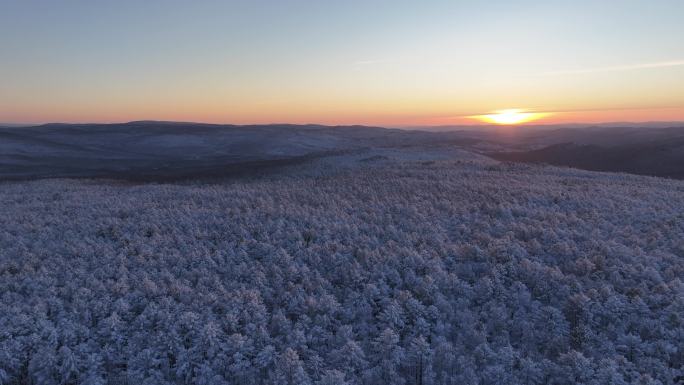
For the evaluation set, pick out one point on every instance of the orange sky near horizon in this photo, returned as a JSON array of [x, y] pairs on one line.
[[372, 118]]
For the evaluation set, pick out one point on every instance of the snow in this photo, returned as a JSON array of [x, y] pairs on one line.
[[372, 267]]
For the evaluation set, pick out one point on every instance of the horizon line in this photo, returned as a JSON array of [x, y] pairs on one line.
[[407, 126]]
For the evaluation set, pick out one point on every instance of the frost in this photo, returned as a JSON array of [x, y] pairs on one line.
[[383, 272]]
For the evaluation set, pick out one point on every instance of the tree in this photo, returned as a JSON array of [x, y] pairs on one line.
[[289, 369], [421, 356], [332, 377]]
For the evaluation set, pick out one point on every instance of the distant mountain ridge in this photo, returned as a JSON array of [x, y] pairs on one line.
[[149, 150]]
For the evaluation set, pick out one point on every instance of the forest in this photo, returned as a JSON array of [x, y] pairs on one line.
[[398, 272]]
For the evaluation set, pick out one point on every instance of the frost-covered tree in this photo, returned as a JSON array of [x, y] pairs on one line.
[[345, 272]]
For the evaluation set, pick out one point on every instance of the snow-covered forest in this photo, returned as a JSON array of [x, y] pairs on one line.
[[391, 272]]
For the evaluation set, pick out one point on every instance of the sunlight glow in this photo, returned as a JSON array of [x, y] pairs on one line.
[[510, 116]]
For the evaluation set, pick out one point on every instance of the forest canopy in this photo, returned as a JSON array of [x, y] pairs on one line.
[[406, 272]]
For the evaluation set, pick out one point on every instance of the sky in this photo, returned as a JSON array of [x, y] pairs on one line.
[[377, 62]]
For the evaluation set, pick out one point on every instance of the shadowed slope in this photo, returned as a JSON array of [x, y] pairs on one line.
[[152, 150]]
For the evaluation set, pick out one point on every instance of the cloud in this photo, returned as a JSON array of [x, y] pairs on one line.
[[628, 67], [555, 111], [371, 62]]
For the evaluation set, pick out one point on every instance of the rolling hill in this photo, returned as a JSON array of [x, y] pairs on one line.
[[150, 150]]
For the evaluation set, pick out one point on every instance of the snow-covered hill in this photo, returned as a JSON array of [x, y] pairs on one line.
[[383, 268], [172, 150], [164, 151]]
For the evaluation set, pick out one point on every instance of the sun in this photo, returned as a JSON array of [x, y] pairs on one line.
[[510, 116]]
